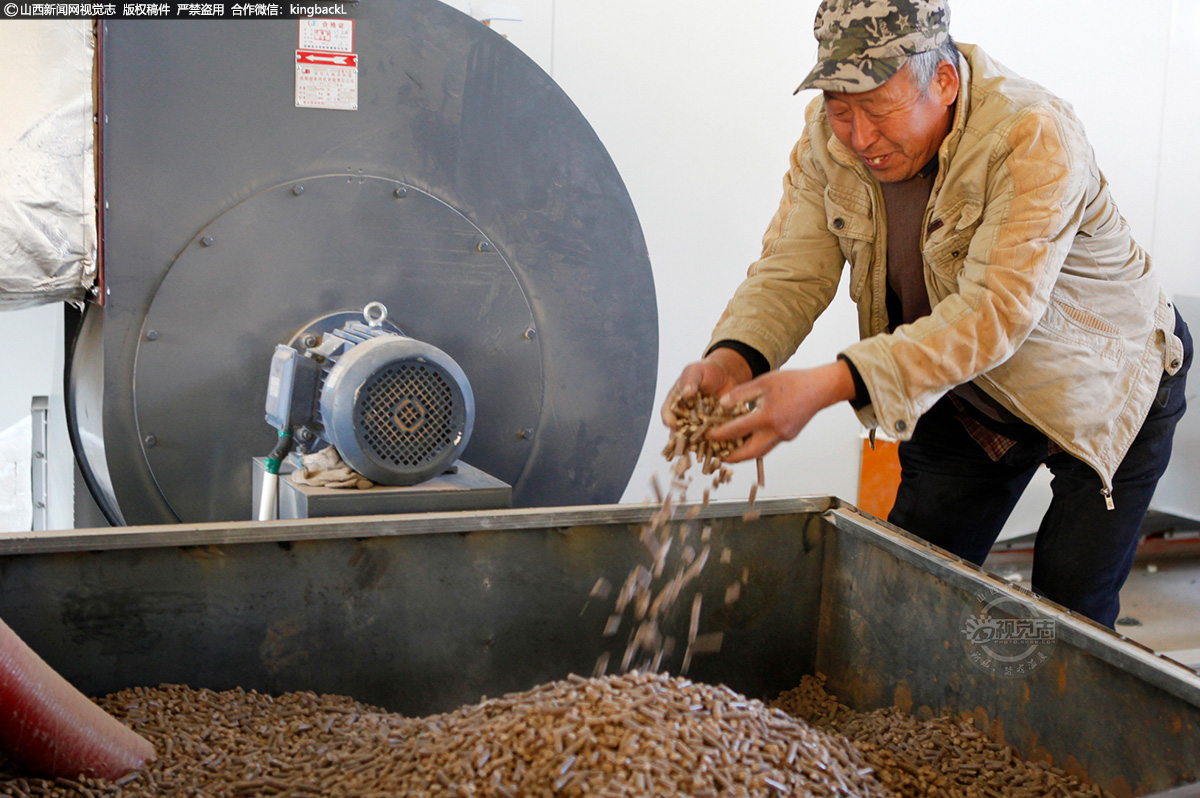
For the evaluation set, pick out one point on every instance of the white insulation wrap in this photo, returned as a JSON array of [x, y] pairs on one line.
[[47, 168]]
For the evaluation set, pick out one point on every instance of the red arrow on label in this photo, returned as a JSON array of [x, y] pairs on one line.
[[329, 59]]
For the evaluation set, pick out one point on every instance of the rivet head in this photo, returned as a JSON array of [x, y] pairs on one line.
[[150, 440], [207, 241], [309, 340], [400, 193], [530, 334], [525, 434], [901, 425], [839, 223], [152, 335], [1176, 363], [297, 190], [485, 246]]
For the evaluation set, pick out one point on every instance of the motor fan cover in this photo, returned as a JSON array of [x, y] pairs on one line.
[[398, 410]]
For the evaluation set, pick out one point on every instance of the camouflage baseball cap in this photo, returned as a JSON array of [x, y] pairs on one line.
[[862, 43]]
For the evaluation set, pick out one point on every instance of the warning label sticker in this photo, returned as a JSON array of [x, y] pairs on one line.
[[326, 80], [328, 35]]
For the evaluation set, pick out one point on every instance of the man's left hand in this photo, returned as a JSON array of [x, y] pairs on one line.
[[784, 403]]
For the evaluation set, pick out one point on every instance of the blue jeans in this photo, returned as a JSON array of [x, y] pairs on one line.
[[956, 497]]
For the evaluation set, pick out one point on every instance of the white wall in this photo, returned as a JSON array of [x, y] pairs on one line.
[[33, 367], [1177, 170], [1177, 238], [30, 337]]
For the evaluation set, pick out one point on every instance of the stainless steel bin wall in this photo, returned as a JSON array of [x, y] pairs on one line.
[[420, 614]]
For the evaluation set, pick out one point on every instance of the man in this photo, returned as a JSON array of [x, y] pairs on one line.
[[1008, 318]]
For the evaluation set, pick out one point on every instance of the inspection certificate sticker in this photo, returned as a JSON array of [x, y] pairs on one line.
[[327, 35], [326, 80]]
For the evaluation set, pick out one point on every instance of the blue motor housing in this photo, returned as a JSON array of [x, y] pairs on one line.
[[398, 410]]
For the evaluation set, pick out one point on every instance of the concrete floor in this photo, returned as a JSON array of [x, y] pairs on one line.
[[1160, 603]]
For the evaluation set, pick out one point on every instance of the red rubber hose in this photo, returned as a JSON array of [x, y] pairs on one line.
[[49, 727]]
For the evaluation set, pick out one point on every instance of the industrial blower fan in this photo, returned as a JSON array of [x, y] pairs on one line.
[[441, 172]]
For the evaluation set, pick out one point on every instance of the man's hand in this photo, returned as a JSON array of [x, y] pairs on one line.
[[720, 371], [784, 403]]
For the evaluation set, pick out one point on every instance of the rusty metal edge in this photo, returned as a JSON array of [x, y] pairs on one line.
[[1105, 644], [225, 534]]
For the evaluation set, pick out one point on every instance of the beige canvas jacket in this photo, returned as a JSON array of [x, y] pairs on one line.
[[1040, 295]]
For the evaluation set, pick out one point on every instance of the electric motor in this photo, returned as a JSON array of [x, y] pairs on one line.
[[398, 410]]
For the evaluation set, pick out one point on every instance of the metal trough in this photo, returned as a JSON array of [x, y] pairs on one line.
[[423, 613]]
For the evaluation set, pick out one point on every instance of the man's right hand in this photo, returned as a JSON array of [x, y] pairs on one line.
[[720, 371]]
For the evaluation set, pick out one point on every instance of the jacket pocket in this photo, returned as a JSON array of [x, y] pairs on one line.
[[1113, 318], [948, 237], [1084, 329], [848, 217]]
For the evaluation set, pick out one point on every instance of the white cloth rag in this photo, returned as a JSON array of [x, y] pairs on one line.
[[325, 469]]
